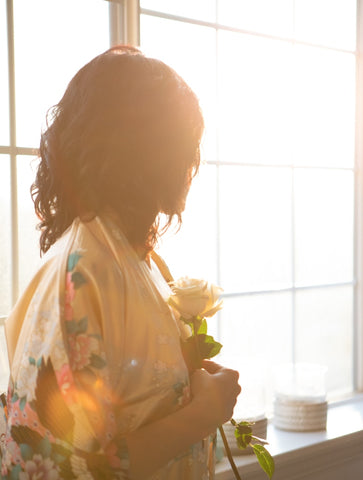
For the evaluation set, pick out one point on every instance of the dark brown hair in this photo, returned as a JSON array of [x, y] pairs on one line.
[[125, 136]]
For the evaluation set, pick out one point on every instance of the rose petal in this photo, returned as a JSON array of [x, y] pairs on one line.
[[173, 304], [215, 309], [190, 289], [192, 297]]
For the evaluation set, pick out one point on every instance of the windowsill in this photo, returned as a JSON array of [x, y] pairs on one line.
[[338, 449]]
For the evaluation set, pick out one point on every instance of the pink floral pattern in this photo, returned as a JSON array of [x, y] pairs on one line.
[[71, 424], [79, 351], [41, 421], [39, 468], [69, 297], [27, 417], [66, 382]]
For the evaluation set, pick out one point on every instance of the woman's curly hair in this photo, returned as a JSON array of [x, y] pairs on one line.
[[125, 136]]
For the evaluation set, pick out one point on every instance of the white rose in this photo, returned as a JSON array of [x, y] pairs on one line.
[[192, 297]]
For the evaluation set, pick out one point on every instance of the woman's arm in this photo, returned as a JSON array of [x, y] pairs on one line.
[[62, 413], [214, 396]]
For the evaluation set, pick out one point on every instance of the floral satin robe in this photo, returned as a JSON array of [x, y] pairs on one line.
[[97, 355]]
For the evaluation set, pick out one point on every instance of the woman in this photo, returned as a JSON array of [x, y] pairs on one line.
[[99, 388]]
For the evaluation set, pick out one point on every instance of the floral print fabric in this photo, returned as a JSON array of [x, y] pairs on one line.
[[97, 356], [43, 402]]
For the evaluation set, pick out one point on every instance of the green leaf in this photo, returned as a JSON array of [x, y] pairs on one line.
[[72, 261], [198, 347], [244, 427], [243, 439], [243, 433], [32, 361], [207, 346], [203, 326], [26, 451], [97, 362], [78, 279], [264, 459]]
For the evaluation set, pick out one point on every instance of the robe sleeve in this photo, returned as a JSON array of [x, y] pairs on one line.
[[62, 422]]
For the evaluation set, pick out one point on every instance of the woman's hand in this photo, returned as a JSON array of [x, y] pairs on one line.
[[215, 390]]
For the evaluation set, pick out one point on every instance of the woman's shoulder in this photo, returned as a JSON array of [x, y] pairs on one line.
[[82, 245], [78, 253]]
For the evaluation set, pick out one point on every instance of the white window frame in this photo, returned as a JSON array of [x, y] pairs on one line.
[[358, 234]]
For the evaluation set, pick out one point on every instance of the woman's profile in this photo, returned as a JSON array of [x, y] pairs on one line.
[[99, 388]]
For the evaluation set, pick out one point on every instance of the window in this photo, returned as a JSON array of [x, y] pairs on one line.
[[42, 45], [273, 216]]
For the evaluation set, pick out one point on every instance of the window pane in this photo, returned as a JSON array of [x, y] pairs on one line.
[[4, 90], [255, 103], [255, 228], [263, 16], [65, 34], [326, 22], [324, 333], [29, 255], [5, 236], [192, 251], [197, 9], [256, 334], [285, 105], [324, 107], [190, 50], [324, 226]]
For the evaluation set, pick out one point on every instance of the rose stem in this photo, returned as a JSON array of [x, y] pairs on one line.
[[228, 452], [196, 344]]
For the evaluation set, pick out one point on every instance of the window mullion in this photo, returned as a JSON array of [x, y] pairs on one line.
[[116, 15], [125, 22], [132, 15], [358, 234], [13, 170]]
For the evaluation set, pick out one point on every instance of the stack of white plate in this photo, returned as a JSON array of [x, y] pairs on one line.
[[300, 415], [259, 429]]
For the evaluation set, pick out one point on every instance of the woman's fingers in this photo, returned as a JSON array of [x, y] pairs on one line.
[[215, 390], [211, 367]]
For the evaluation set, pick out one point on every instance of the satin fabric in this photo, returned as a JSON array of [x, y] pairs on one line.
[[95, 318]]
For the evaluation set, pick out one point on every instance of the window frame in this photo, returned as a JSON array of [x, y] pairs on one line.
[[124, 28], [358, 233]]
